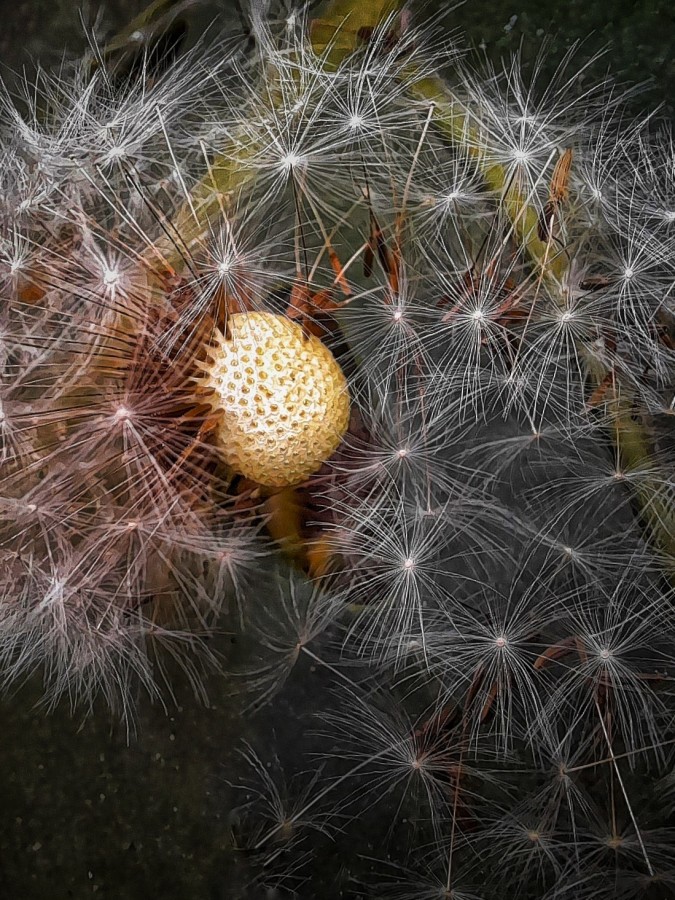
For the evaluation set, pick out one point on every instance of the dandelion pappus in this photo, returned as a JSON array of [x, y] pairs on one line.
[[505, 291], [557, 195]]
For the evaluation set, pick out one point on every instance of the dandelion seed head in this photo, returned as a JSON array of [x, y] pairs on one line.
[[119, 151], [111, 277], [55, 591], [614, 841], [16, 265], [279, 398], [122, 414], [292, 160], [520, 156]]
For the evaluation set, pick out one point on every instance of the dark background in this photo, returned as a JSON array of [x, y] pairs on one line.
[[638, 35]]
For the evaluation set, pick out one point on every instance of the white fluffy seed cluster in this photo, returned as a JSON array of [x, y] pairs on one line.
[[282, 396]]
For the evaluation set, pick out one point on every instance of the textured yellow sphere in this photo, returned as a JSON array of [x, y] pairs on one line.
[[283, 398]]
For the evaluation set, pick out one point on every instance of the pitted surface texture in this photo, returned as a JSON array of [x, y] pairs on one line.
[[283, 398]]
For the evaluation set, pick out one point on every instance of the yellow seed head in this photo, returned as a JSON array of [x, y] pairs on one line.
[[282, 397]]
